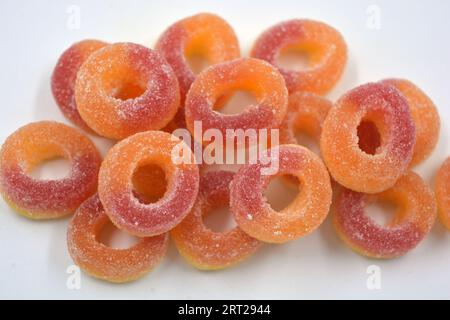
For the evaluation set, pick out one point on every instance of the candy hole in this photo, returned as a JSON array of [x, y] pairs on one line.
[[128, 90], [296, 58], [149, 183], [237, 102], [369, 138], [197, 62], [281, 191], [382, 212], [52, 169], [113, 237], [306, 140], [219, 220]]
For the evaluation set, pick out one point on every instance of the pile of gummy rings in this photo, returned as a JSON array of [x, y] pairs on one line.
[[369, 139]]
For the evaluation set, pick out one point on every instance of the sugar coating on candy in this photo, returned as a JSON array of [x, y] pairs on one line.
[[47, 199], [353, 168], [204, 34], [252, 75], [126, 88], [64, 77], [306, 113], [325, 47], [202, 247], [413, 220], [443, 193], [103, 262], [307, 211], [425, 116], [116, 189]]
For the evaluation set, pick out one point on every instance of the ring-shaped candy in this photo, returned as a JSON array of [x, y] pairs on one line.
[[443, 193], [116, 189], [202, 247], [252, 75], [323, 45], [415, 215], [425, 116], [64, 77], [353, 168], [106, 263], [205, 35], [125, 88], [34, 143], [306, 212]]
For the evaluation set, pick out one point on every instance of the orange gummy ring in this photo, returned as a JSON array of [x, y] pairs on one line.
[[204, 34], [425, 116], [413, 220], [352, 167], [443, 193], [203, 248], [47, 199], [308, 210], [116, 189], [103, 262], [306, 113], [64, 77], [126, 88], [324, 46], [252, 75]]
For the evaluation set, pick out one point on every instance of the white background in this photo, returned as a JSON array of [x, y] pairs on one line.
[[411, 43]]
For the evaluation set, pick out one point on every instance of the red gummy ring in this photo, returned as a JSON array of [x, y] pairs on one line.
[[126, 88], [325, 47], [203, 248], [116, 189], [415, 217], [353, 168], [308, 210], [100, 261], [204, 34], [47, 199], [64, 77], [252, 75]]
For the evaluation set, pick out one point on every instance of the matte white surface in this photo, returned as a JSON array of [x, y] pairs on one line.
[[412, 42]]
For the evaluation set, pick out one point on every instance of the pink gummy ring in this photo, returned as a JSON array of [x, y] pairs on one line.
[[252, 75], [116, 190], [413, 220], [306, 212], [323, 45], [47, 199], [103, 262], [125, 88], [349, 165]]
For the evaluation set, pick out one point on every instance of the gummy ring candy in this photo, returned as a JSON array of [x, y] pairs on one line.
[[252, 75], [306, 113], [47, 199], [64, 77], [413, 219], [115, 189], [103, 262], [124, 89], [324, 46], [353, 168], [204, 34], [307, 211], [425, 116], [443, 193], [203, 248]]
